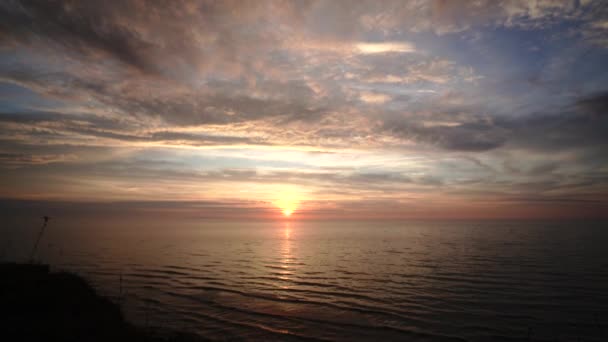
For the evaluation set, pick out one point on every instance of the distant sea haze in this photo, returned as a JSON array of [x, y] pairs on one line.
[[341, 280]]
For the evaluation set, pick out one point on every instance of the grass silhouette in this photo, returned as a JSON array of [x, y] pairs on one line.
[[35, 248]]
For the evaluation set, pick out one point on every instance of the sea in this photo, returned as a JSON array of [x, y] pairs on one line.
[[338, 280]]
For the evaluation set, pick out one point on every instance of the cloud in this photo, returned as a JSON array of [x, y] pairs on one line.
[[84, 28], [370, 97], [595, 105], [389, 69], [385, 47], [138, 211], [473, 137], [565, 130], [18, 159], [385, 102]]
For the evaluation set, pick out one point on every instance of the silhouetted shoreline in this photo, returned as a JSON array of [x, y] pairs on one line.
[[41, 305]]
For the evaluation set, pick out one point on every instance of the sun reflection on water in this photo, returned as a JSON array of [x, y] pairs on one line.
[[286, 256], [287, 230]]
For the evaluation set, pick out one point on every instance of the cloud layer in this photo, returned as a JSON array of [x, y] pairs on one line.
[[383, 109]]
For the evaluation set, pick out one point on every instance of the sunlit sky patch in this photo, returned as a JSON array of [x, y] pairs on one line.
[[379, 109]]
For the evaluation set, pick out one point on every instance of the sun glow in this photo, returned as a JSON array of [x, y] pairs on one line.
[[288, 204]]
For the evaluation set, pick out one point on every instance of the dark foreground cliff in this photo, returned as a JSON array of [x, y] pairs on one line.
[[39, 305]]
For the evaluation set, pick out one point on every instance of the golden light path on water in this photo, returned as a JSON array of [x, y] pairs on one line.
[[286, 255]]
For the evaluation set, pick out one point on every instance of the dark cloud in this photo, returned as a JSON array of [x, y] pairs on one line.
[[195, 139], [152, 37], [596, 105], [566, 130], [583, 127], [61, 211], [544, 169], [86, 27], [219, 102], [58, 125], [473, 136]]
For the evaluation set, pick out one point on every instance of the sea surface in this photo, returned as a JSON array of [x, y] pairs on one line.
[[340, 280]]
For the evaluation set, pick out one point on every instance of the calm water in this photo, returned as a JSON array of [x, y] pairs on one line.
[[476, 281]]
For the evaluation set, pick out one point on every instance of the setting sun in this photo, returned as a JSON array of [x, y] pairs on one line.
[[287, 204]]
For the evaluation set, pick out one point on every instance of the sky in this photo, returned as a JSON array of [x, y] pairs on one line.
[[318, 109]]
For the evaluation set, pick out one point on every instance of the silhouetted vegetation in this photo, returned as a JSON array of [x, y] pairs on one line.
[[40, 305], [35, 248]]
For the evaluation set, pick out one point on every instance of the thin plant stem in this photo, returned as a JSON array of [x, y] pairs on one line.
[[46, 221]]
